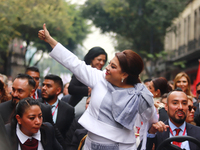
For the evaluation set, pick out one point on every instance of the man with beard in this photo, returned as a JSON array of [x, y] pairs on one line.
[[23, 86], [177, 108], [62, 113]]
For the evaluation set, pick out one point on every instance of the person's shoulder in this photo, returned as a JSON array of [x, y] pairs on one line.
[[66, 97], [4, 104], [40, 100], [66, 105], [8, 127], [195, 103], [193, 127], [47, 126]]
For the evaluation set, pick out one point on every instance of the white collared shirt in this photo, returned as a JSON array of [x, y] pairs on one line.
[[185, 144], [36, 94], [23, 138]]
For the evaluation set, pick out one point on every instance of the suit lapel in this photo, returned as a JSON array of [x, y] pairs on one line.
[[44, 139], [59, 109], [163, 135]]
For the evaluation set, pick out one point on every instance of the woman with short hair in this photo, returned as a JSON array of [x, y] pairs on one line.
[[118, 98]]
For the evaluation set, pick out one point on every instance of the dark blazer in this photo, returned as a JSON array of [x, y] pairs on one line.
[[48, 139], [77, 90], [78, 136], [161, 136], [70, 133], [7, 110], [197, 110], [163, 116], [66, 98], [65, 117], [197, 114], [39, 92]]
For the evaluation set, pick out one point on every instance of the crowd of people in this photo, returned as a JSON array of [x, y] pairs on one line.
[[121, 113]]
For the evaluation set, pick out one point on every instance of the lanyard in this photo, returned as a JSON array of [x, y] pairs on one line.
[[54, 110], [173, 134]]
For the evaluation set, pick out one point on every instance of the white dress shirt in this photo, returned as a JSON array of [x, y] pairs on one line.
[[23, 138]]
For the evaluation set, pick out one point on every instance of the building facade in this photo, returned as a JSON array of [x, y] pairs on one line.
[[182, 43]]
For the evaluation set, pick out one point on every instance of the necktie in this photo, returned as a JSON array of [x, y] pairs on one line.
[[174, 142], [34, 96], [30, 144]]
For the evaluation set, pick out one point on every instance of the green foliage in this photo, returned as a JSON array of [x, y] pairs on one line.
[[180, 63], [141, 22], [24, 18]]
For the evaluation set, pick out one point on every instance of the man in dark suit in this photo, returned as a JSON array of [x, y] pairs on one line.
[[34, 72], [62, 113], [177, 107], [23, 86]]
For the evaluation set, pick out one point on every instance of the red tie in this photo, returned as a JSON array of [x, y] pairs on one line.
[[30, 144], [174, 142], [34, 95]]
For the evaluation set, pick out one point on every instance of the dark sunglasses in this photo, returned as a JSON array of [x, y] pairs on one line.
[[192, 107], [198, 91]]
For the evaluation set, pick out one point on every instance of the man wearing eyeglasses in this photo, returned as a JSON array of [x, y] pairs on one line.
[[177, 109], [34, 72]]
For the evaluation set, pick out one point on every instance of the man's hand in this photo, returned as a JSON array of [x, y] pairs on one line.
[[159, 126]]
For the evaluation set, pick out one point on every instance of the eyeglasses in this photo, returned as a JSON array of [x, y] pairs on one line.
[[198, 91], [192, 107], [36, 78]]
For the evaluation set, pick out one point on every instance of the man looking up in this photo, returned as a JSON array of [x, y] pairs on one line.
[[34, 72], [23, 86], [177, 108], [62, 113]]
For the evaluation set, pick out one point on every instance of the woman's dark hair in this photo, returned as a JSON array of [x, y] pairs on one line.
[[92, 53], [21, 107], [162, 84], [4, 95], [131, 63]]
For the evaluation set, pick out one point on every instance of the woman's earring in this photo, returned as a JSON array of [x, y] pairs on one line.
[[122, 80]]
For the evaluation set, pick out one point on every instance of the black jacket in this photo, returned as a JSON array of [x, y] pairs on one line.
[[161, 136], [77, 90], [48, 139]]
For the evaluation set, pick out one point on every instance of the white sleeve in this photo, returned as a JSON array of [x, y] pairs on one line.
[[85, 73]]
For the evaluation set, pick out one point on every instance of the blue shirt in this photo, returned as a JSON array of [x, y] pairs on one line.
[[185, 144], [54, 110]]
